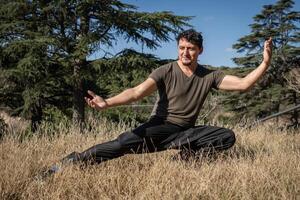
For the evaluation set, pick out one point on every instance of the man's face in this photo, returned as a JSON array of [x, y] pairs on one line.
[[187, 52]]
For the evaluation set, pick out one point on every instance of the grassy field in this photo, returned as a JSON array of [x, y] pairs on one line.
[[263, 164]]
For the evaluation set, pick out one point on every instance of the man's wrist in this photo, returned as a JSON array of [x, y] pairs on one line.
[[107, 103], [267, 63]]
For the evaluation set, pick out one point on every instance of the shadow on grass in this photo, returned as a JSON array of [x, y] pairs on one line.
[[235, 153]]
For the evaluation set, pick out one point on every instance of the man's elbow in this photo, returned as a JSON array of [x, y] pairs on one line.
[[130, 94], [245, 86], [136, 94]]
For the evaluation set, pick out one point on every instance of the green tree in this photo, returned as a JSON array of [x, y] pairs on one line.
[[282, 24], [32, 76], [45, 45]]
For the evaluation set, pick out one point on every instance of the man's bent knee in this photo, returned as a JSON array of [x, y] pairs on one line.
[[228, 138]]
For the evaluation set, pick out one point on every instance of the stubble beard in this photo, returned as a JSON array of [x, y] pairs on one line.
[[186, 63]]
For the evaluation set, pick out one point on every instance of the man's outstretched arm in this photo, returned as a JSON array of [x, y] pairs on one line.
[[125, 97], [235, 83]]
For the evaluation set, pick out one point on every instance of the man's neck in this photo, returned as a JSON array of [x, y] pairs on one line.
[[187, 69]]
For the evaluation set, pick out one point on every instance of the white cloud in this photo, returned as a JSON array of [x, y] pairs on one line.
[[229, 49]]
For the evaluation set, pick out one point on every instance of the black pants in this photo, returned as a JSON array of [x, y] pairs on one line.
[[157, 135]]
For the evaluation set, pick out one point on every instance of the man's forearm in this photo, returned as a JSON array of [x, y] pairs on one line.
[[125, 97], [253, 76], [129, 95]]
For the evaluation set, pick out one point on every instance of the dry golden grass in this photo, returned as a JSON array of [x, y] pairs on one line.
[[263, 164]]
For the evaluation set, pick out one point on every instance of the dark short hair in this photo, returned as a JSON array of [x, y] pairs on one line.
[[192, 36]]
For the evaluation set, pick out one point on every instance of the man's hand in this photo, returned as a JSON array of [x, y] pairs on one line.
[[267, 51], [235, 83], [95, 101]]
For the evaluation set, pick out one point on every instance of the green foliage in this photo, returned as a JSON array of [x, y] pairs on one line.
[[276, 21], [271, 93], [125, 70], [127, 115], [44, 46]]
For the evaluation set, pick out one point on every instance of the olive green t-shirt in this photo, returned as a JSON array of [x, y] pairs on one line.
[[180, 97]]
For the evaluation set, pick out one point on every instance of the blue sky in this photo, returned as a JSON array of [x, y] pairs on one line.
[[222, 23]]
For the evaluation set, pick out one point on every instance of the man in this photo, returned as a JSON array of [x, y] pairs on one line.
[[182, 86]]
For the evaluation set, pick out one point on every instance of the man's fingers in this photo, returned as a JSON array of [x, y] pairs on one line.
[[96, 101], [91, 103], [269, 41], [91, 93], [87, 100], [268, 45]]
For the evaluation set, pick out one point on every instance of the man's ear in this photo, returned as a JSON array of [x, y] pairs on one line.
[[201, 50]]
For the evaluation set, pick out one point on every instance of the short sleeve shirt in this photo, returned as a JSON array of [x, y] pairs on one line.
[[180, 97]]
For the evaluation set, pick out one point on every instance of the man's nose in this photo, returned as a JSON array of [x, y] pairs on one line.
[[185, 51]]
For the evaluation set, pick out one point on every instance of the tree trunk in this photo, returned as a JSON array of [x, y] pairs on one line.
[[78, 97], [78, 93], [36, 116]]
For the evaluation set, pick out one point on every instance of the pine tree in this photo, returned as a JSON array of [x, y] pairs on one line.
[[282, 24], [32, 77], [45, 45]]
